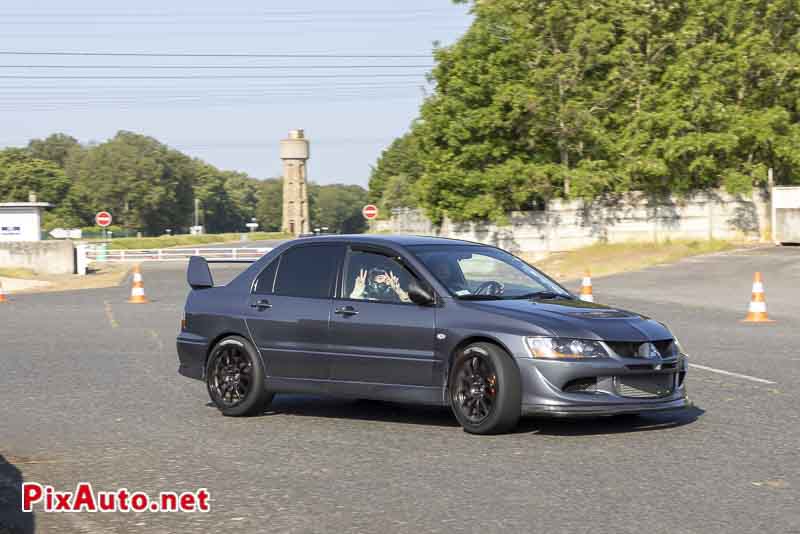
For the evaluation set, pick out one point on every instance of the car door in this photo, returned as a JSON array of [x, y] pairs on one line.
[[290, 307], [378, 338]]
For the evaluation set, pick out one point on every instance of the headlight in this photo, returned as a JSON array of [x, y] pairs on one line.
[[554, 348], [675, 348]]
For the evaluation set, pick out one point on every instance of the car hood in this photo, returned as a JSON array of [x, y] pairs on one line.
[[576, 318]]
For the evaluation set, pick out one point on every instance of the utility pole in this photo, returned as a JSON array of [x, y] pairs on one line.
[[196, 229]]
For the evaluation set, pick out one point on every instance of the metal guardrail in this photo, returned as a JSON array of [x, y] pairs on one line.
[[97, 254]]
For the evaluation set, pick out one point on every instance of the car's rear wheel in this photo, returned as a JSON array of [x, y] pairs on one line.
[[484, 389], [235, 378]]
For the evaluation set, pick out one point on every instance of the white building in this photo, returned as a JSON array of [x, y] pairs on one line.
[[21, 221]]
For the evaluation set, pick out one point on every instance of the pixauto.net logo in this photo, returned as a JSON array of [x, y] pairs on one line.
[[85, 499]]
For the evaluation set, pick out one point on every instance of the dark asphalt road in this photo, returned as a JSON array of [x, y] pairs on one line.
[[89, 391]]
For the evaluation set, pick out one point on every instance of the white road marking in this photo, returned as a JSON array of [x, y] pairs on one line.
[[110, 315], [729, 373]]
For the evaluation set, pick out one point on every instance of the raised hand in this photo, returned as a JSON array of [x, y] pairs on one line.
[[394, 283], [360, 284]]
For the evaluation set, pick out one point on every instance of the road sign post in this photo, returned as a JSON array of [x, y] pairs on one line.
[[370, 211]]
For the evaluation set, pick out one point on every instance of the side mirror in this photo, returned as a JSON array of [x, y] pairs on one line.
[[198, 274], [419, 294]]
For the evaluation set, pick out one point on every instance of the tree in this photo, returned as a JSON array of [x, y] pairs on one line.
[[55, 148], [338, 207], [145, 185], [570, 98], [269, 208], [150, 187], [21, 174], [400, 162]]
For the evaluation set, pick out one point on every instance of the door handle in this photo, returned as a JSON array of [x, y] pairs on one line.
[[346, 310], [261, 304]]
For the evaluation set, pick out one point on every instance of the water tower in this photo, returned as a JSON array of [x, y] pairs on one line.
[[295, 154]]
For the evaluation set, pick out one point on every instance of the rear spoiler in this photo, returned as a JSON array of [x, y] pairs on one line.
[[199, 275]]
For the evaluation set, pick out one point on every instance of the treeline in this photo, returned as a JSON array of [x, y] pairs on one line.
[[571, 98], [149, 187]]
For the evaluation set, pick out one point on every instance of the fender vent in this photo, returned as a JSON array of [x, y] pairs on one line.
[[581, 385]]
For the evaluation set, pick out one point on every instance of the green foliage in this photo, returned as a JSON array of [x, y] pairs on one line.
[[56, 148], [21, 174], [401, 158], [270, 205], [574, 98], [398, 168], [338, 207], [149, 188]]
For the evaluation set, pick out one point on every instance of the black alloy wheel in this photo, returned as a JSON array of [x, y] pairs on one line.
[[476, 387], [235, 378], [232, 376], [484, 389]]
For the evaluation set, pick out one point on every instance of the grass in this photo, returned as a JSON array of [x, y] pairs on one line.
[[604, 259], [17, 272], [166, 241]]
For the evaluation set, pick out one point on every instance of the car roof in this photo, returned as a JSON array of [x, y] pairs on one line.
[[382, 239]]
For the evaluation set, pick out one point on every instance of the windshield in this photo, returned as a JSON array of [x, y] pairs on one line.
[[478, 272]]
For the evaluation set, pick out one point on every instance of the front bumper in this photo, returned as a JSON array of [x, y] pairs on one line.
[[546, 386], [603, 410]]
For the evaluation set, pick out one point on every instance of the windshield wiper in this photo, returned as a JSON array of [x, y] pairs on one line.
[[480, 297], [543, 295]]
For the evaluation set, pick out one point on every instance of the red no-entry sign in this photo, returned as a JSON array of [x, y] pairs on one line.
[[370, 211], [103, 219]]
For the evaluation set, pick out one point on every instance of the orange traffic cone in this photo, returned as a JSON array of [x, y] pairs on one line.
[[757, 312], [586, 288], [137, 288], [2, 293]]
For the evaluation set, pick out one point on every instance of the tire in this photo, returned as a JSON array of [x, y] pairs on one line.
[[235, 378], [484, 390]]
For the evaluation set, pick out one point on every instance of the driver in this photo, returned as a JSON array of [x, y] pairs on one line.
[[378, 284], [446, 275]]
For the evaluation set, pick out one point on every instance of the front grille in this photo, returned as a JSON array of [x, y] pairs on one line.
[[633, 349], [646, 386], [651, 366]]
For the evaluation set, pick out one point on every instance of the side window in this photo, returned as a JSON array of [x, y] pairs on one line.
[[307, 271], [372, 276], [265, 283]]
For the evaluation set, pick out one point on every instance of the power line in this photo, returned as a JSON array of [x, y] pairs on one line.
[[161, 21], [84, 107], [216, 67], [215, 55], [202, 77], [345, 84], [249, 13]]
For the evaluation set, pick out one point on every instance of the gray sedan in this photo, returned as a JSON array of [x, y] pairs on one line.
[[422, 320]]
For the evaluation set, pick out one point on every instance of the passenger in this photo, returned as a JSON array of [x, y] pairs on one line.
[[378, 284]]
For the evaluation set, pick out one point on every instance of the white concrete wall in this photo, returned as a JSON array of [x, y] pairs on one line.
[[49, 257], [20, 224], [567, 225], [786, 214]]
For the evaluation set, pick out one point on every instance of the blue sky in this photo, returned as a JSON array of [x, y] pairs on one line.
[[229, 111]]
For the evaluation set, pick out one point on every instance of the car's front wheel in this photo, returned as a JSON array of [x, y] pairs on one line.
[[485, 390], [235, 378]]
